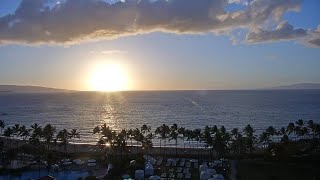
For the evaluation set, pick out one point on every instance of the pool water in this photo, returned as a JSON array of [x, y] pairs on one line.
[[66, 175]]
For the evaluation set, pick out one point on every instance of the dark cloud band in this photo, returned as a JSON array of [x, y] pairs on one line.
[[73, 21]]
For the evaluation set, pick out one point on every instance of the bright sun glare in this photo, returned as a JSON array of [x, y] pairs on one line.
[[108, 77]]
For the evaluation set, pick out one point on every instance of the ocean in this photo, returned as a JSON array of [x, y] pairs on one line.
[[191, 109]]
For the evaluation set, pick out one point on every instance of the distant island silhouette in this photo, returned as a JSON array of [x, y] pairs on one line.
[[18, 88], [299, 86]]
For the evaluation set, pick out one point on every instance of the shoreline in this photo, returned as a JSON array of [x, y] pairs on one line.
[[131, 149]]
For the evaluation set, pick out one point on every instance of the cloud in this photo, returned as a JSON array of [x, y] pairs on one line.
[[284, 31], [314, 39], [110, 52], [74, 21]]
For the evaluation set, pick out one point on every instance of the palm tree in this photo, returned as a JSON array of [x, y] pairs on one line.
[[181, 131], [189, 135], [97, 130], [148, 143], [16, 130], [174, 136], [271, 131], [164, 131], [16, 133], [299, 122], [206, 137], [317, 130], [48, 133], [223, 143], [299, 128], [106, 133], [130, 136], [264, 137], [158, 133], [74, 134], [36, 135], [2, 125], [238, 144], [214, 129], [137, 136], [24, 133], [145, 129], [311, 126], [197, 137], [283, 131], [290, 128], [123, 141], [119, 141], [219, 144], [8, 133], [63, 137], [249, 138], [234, 136]]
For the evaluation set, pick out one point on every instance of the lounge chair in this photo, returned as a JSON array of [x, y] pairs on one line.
[[180, 175], [196, 165], [172, 175], [163, 175], [188, 176]]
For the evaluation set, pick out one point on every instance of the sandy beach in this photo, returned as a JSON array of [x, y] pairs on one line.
[[91, 148]]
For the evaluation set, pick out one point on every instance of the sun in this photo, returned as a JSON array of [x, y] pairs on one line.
[[108, 77]]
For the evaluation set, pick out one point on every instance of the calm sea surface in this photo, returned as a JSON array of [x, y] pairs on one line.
[[191, 109]]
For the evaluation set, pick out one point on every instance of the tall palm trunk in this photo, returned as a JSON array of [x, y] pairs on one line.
[[160, 146], [165, 146], [184, 146], [176, 147]]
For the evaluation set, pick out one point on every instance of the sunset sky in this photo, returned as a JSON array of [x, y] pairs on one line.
[[159, 44]]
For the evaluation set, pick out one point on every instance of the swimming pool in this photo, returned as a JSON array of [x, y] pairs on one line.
[[65, 175]]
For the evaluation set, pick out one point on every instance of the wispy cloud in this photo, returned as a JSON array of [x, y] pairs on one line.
[[284, 31], [111, 52], [73, 21], [314, 39]]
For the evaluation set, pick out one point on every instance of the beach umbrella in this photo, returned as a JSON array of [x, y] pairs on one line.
[[218, 162], [91, 164], [139, 175], [76, 160], [92, 161], [67, 163], [79, 162], [203, 168], [149, 170], [212, 171], [154, 178], [65, 160], [204, 175], [212, 164], [194, 160], [218, 177]]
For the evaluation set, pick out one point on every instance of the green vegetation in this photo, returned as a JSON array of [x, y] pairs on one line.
[[273, 146]]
